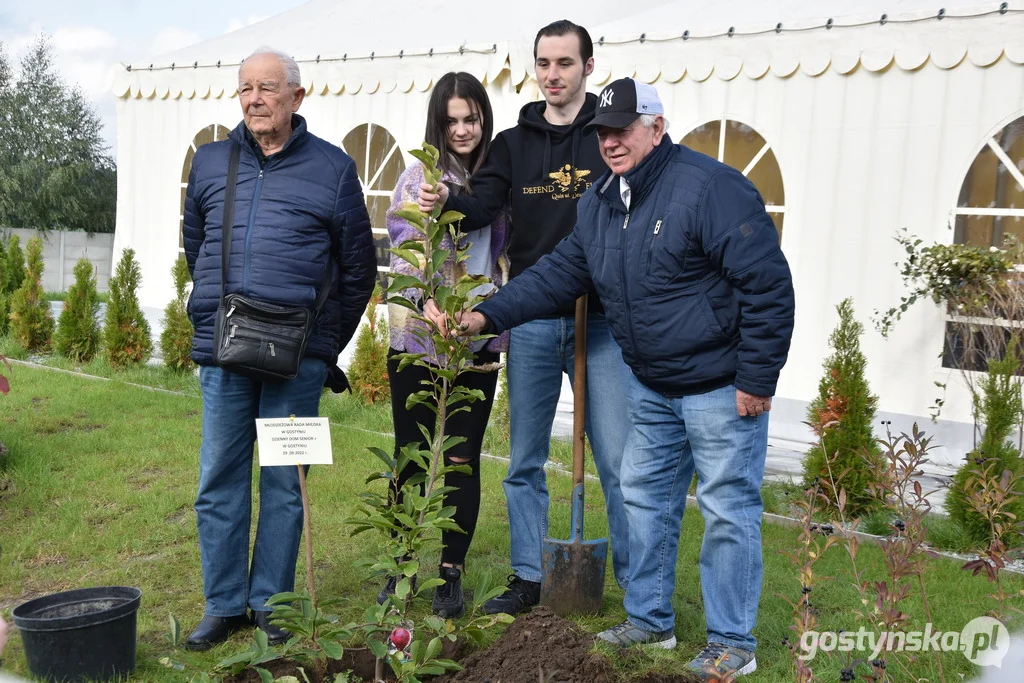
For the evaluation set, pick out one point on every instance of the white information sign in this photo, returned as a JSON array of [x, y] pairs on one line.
[[294, 441]]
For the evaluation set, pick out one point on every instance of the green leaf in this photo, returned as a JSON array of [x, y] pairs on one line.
[[433, 648], [415, 399], [412, 214], [417, 245], [450, 441], [437, 259], [407, 359], [379, 649], [261, 640], [449, 217], [405, 520], [265, 676], [175, 627], [331, 648], [432, 669], [409, 257], [287, 597], [246, 655], [402, 588], [403, 302], [384, 456], [441, 296], [435, 623], [446, 512], [434, 154], [400, 283], [429, 585], [423, 157]]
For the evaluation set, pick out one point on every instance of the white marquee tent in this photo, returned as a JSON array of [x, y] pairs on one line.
[[854, 118]]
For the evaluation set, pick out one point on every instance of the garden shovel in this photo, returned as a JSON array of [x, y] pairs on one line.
[[573, 581]]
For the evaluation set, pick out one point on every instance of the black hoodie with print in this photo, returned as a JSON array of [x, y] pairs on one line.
[[540, 170]]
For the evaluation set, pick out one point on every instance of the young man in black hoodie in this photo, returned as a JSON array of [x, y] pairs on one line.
[[540, 168]]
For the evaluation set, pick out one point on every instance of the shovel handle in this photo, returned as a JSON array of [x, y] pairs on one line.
[[579, 399]]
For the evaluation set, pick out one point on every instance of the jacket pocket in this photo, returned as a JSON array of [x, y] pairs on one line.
[[666, 251], [714, 326]]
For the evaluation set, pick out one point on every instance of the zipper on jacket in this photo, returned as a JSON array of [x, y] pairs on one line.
[[249, 230], [271, 344], [654, 239], [625, 289]]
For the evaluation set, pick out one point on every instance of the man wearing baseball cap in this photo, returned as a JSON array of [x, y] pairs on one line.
[[700, 298]]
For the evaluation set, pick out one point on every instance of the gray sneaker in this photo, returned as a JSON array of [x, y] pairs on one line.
[[717, 660], [628, 635]]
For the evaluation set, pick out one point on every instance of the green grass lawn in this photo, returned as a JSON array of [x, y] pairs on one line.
[[101, 477]]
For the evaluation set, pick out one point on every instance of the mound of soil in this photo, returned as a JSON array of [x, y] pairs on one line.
[[538, 647], [542, 647]]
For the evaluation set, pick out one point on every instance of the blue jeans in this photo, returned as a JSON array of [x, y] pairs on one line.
[[539, 352], [671, 437], [231, 404]]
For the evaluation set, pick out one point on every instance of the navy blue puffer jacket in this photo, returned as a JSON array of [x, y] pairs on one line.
[[696, 290], [296, 213]]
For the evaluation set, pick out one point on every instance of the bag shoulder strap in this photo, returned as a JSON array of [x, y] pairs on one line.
[[228, 216]]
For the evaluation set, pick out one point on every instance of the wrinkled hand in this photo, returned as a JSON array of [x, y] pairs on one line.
[[468, 323], [748, 405], [430, 196]]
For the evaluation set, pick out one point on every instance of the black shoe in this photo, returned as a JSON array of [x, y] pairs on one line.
[[389, 589], [449, 601], [520, 596], [275, 634], [213, 630]]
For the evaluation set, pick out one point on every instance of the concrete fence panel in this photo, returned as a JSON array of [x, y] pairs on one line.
[[61, 251]]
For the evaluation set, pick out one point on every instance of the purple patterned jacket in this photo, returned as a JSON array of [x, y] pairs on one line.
[[401, 320]]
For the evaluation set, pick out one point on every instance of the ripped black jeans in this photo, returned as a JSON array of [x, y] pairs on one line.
[[470, 424]]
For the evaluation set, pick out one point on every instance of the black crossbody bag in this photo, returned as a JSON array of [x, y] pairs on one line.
[[258, 339]]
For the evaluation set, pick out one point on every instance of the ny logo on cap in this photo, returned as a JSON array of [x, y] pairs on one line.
[[606, 98]]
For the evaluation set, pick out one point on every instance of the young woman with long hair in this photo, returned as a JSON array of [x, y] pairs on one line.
[[460, 126]]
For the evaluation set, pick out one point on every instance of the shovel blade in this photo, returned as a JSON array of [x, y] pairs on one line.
[[573, 580]]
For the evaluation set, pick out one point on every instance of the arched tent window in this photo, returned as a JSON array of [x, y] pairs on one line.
[[740, 146], [990, 208], [991, 204], [379, 163], [211, 133]]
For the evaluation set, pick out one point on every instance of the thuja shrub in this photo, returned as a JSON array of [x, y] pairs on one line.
[[5, 297], [176, 339], [12, 273], [999, 407], [368, 372], [31, 320], [846, 455], [126, 338], [15, 264], [78, 331]]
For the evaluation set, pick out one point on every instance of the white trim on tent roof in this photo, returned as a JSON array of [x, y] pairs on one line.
[[979, 33]]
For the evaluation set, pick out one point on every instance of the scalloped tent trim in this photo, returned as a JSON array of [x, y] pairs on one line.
[[908, 42]]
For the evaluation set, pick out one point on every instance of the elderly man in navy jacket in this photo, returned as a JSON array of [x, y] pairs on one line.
[[700, 298], [298, 214]]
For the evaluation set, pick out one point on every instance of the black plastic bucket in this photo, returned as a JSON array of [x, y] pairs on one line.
[[79, 635]]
